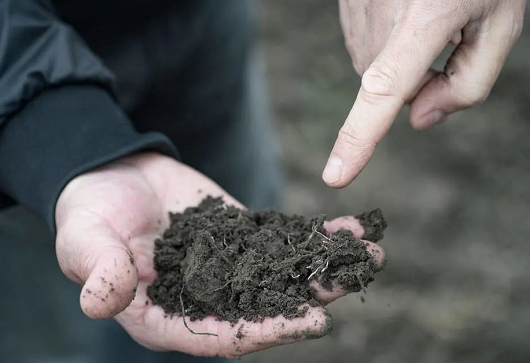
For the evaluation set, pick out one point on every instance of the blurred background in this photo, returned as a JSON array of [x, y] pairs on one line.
[[457, 199]]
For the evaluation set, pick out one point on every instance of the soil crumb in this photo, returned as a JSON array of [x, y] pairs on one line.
[[374, 224], [216, 259]]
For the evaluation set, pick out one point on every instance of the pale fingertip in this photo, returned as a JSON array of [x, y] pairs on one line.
[[431, 119], [378, 254], [333, 171], [349, 223], [316, 323], [329, 295]]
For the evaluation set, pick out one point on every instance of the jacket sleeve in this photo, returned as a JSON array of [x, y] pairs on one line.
[[58, 116]]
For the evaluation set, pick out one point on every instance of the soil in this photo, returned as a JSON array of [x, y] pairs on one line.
[[220, 260]]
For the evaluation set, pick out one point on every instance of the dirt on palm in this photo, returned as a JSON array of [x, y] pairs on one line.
[[219, 260]]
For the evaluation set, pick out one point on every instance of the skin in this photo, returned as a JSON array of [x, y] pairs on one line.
[[107, 221], [393, 44]]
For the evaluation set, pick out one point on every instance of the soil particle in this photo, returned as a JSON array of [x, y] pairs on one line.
[[239, 333], [234, 263], [131, 257]]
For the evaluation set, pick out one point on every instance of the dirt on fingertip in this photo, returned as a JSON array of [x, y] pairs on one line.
[[216, 259]]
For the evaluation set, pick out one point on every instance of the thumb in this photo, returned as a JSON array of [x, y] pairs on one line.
[[93, 255], [387, 84]]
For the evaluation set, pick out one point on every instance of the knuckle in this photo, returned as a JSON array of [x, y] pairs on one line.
[[381, 79], [424, 12], [349, 137]]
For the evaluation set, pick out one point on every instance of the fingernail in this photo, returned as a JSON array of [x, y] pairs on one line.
[[333, 170], [435, 117]]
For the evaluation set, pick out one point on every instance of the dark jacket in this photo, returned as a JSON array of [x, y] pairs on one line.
[[59, 115]]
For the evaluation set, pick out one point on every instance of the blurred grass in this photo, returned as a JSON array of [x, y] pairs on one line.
[[457, 198]]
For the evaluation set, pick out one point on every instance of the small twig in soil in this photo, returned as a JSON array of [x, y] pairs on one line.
[[310, 236], [313, 273], [321, 234], [289, 241], [219, 288], [220, 252], [184, 317], [222, 287], [326, 267]]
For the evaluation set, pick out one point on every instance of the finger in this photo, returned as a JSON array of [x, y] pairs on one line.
[[347, 222], [327, 296], [354, 225], [211, 337], [93, 255], [386, 85], [378, 254], [469, 75], [315, 324]]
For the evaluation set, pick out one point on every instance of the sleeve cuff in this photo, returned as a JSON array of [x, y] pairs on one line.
[[61, 133]]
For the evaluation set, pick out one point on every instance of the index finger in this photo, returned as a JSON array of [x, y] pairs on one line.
[[385, 87]]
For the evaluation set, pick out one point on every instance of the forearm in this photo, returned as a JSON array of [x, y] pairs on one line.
[[58, 116]]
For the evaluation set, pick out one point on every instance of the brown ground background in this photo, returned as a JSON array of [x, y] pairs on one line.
[[457, 287]]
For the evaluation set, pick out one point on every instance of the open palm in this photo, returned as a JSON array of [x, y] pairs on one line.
[[107, 221]]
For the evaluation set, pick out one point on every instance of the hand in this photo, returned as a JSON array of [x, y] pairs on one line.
[[393, 44], [107, 221]]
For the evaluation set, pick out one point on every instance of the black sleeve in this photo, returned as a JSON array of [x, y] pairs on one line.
[[58, 116]]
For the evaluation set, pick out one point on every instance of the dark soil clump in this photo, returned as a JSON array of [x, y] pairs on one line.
[[374, 224], [219, 260]]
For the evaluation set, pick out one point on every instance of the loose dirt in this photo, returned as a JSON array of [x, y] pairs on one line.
[[216, 259]]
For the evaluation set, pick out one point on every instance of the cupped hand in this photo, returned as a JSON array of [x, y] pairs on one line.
[[394, 43], [107, 221]]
